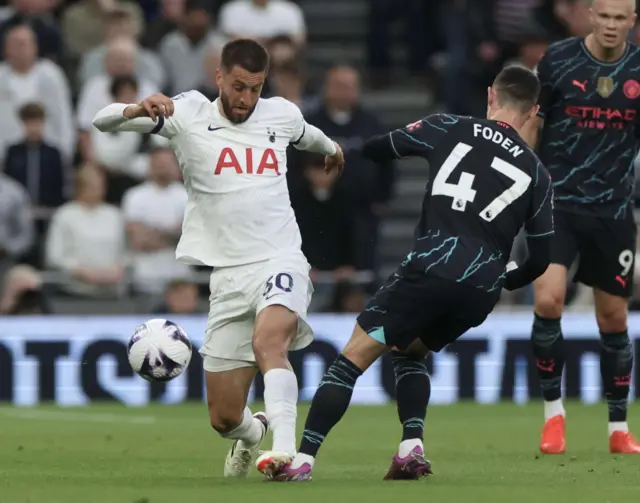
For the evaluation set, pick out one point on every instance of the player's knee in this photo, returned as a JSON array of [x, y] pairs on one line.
[[549, 303], [612, 319], [270, 342], [224, 421]]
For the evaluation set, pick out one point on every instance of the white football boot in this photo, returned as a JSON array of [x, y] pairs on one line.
[[240, 457]]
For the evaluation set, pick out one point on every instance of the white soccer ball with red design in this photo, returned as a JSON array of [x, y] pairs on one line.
[[159, 350]]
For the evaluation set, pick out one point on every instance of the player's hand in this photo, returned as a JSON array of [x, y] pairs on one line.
[[334, 163], [156, 105]]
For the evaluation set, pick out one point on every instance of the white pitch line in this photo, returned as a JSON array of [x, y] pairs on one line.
[[77, 416]]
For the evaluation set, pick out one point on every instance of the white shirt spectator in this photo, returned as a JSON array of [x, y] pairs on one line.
[[243, 18], [44, 83], [86, 237], [95, 95], [160, 208], [16, 225], [185, 61]]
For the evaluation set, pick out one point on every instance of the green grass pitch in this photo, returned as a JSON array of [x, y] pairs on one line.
[[109, 454]]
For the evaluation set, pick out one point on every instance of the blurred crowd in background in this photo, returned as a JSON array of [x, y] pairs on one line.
[[91, 216]]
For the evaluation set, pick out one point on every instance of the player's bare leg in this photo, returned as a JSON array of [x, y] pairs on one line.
[[276, 327], [332, 400], [549, 352], [616, 362], [227, 393], [413, 389]]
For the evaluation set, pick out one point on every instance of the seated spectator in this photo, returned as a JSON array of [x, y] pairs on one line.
[[22, 293], [288, 81], [25, 79], [263, 19], [153, 213], [171, 12], [123, 24], [16, 223], [84, 24], [47, 32], [96, 93], [348, 297], [282, 50], [39, 168], [120, 154], [209, 87], [86, 240], [323, 211], [180, 298], [183, 51]]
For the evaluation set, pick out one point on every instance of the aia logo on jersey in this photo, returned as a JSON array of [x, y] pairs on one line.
[[413, 126], [631, 89], [250, 165]]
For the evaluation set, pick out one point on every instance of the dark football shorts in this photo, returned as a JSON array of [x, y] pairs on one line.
[[412, 305], [605, 248]]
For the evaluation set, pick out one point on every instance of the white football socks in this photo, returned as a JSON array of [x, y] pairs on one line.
[[618, 426], [281, 399], [406, 446], [553, 408], [249, 431]]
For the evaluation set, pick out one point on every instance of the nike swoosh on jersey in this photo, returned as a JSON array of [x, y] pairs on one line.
[[272, 295], [215, 128]]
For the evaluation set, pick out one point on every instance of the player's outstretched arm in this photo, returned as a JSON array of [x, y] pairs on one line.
[[152, 115], [314, 140]]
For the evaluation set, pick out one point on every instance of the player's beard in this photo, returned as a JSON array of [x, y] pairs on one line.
[[228, 111]]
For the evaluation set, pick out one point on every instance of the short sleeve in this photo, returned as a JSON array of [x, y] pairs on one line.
[[186, 107], [421, 137], [540, 221], [545, 99]]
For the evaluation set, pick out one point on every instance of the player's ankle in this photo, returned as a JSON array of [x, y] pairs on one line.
[[615, 426], [553, 408], [301, 459], [406, 446]]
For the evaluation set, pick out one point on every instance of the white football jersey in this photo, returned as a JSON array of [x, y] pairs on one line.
[[239, 211]]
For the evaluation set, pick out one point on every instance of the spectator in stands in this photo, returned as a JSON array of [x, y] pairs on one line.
[[96, 93], [348, 297], [282, 50], [420, 28], [25, 79], [180, 298], [263, 19], [209, 87], [153, 213], [39, 168], [123, 24], [16, 223], [48, 36], [22, 293], [287, 80], [84, 24], [183, 51], [369, 185], [171, 11], [532, 47], [324, 213], [120, 154], [86, 240]]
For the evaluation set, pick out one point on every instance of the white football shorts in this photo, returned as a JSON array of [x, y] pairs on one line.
[[239, 293]]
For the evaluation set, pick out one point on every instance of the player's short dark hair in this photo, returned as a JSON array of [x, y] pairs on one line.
[[31, 111], [518, 87], [121, 82], [245, 53]]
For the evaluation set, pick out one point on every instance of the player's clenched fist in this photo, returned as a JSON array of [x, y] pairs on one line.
[[334, 162], [156, 105]]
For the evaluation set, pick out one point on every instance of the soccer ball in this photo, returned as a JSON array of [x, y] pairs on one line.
[[159, 350]]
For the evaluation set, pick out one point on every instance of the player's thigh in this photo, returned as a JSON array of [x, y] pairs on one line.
[[398, 312], [283, 291], [608, 256], [461, 309], [228, 383]]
